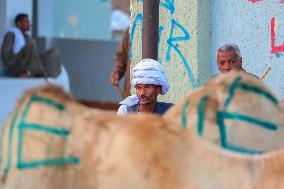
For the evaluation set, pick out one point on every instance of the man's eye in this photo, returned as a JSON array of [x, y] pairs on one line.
[[221, 63]]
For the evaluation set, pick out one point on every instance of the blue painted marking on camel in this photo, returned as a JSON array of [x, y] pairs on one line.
[[60, 132], [222, 116]]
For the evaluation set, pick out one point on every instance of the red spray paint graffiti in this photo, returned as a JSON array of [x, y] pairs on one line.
[[257, 1], [275, 49]]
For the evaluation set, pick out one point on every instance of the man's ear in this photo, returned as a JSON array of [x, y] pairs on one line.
[[159, 89], [17, 24], [241, 64]]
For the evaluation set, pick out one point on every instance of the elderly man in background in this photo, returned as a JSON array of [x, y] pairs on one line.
[[149, 80], [20, 55], [229, 59]]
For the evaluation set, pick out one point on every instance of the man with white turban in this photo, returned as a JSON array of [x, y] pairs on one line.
[[149, 79]]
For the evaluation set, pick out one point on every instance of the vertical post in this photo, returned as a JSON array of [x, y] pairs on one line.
[[3, 19], [150, 29], [35, 19]]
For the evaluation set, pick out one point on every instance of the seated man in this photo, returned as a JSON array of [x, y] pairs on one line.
[[229, 58], [19, 53], [149, 80]]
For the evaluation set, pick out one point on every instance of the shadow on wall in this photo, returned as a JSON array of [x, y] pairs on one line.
[[89, 64]]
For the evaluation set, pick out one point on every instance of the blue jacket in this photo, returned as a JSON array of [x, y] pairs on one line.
[[160, 109]]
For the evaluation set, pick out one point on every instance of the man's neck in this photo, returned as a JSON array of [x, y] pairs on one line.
[[24, 32], [149, 108]]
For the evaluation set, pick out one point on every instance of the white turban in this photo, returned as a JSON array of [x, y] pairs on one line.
[[149, 71]]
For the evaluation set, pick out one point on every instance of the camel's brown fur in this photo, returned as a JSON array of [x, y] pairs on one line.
[[142, 151]]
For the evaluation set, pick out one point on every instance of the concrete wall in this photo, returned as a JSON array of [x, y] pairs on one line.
[[2, 20], [89, 64], [75, 19], [249, 24], [45, 18], [191, 31], [12, 10], [184, 43]]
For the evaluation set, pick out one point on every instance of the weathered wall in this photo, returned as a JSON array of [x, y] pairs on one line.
[[251, 24], [75, 19], [184, 40], [188, 40], [17, 6], [45, 18], [89, 67], [2, 19]]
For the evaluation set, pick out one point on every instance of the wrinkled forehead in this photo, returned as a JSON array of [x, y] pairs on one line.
[[231, 54]]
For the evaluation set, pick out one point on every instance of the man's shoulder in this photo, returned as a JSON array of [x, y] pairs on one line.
[[12, 34], [165, 104], [251, 74], [125, 109], [9, 34], [162, 107]]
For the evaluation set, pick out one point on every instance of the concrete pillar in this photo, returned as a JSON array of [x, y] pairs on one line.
[[184, 43], [3, 18], [45, 18], [8, 11]]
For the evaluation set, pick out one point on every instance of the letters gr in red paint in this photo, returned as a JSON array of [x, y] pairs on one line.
[[258, 1]]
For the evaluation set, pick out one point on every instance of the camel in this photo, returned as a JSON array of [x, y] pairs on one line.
[[225, 135]]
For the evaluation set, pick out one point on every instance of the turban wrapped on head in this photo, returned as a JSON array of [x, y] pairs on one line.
[[149, 71]]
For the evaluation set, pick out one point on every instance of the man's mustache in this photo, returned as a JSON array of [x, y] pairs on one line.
[[143, 97]]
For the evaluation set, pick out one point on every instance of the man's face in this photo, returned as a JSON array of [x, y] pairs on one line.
[[227, 61], [147, 94], [24, 25]]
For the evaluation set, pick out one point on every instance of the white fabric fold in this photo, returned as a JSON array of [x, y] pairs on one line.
[[19, 42], [130, 101]]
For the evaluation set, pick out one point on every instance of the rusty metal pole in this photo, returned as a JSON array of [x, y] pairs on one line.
[[150, 29]]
